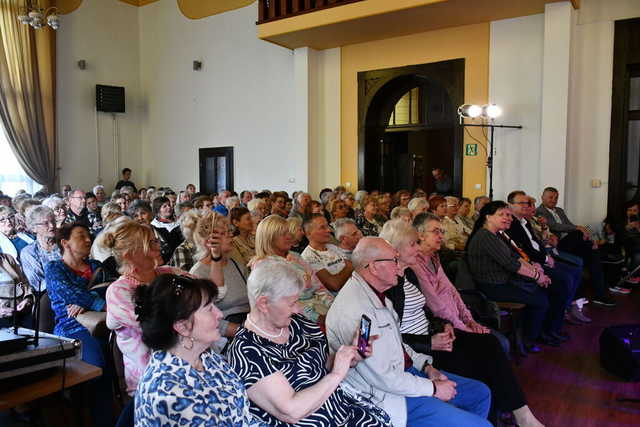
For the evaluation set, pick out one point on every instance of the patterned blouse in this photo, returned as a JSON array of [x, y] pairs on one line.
[[122, 319], [172, 393], [302, 360], [367, 227]]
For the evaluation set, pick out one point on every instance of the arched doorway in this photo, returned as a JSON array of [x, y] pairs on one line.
[[407, 126]]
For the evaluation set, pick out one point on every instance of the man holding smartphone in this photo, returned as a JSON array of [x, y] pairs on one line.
[[400, 380]]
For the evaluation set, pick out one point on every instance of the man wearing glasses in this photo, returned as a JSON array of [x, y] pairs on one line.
[[400, 380], [76, 210]]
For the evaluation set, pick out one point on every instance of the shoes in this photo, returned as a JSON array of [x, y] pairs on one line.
[[548, 340], [620, 290], [577, 316], [633, 280], [605, 300], [559, 336]]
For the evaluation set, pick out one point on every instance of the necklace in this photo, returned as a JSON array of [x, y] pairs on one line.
[[279, 334]]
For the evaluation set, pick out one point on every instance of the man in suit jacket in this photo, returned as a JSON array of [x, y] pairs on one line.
[[565, 278], [576, 240]]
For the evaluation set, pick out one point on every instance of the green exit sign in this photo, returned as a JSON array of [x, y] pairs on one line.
[[471, 150]]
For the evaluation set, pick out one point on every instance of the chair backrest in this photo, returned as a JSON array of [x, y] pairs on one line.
[[120, 384], [46, 317], [464, 279]]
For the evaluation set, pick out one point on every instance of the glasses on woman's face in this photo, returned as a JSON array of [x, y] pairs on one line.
[[439, 231], [8, 219]]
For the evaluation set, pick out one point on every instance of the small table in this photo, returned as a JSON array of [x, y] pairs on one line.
[[76, 372]]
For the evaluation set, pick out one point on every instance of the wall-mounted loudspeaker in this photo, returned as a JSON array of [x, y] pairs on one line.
[[110, 99]]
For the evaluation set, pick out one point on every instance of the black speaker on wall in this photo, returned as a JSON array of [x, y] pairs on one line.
[[110, 99]]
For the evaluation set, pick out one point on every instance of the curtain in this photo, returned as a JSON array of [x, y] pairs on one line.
[[27, 92]]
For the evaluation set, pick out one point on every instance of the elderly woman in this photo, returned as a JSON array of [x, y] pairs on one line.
[[502, 273], [15, 292], [418, 205], [450, 347], [232, 300], [22, 205], [366, 221], [11, 242], [401, 212], [101, 196], [282, 358], [68, 281], [39, 253], [203, 202], [137, 251], [258, 208], [402, 198], [185, 382], [184, 255], [456, 232], [274, 241], [58, 206], [300, 240], [337, 209], [438, 206], [244, 240]]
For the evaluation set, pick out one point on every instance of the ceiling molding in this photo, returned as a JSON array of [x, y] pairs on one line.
[[67, 6]]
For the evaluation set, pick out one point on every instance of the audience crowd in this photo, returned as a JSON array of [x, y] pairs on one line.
[[246, 309]]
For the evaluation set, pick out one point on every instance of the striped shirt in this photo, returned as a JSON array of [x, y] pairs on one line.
[[414, 320], [490, 258]]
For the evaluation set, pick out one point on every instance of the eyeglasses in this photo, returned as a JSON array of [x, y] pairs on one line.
[[436, 231], [45, 223], [9, 218], [396, 260]]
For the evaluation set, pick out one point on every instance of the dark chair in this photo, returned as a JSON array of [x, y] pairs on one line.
[[46, 318]]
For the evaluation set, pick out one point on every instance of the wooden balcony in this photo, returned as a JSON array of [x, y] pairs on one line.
[[271, 10]]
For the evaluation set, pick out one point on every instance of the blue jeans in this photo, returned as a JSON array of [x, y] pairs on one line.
[[100, 389], [470, 407]]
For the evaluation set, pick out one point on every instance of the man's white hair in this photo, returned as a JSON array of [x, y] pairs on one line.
[[274, 279], [366, 251]]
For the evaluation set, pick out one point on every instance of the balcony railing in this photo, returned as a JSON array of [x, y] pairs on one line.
[[271, 10]]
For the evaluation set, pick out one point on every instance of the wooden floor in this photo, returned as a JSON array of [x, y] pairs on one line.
[[566, 386]]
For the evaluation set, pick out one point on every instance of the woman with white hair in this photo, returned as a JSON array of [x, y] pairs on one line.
[[273, 242], [58, 207], [418, 205], [101, 196], [474, 355], [283, 360], [11, 242], [34, 257]]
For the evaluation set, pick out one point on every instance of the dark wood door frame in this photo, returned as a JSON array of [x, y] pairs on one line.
[[376, 99], [626, 62], [227, 153]]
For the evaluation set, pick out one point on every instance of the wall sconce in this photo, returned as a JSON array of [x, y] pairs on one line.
[[197, 65], [82, 64]]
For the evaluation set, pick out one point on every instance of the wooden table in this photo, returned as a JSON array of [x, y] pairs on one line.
[[76, 372]]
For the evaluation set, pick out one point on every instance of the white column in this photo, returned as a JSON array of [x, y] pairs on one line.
[[555, 95], [299, 176]]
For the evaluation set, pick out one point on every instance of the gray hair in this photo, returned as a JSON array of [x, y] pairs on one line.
[[398, 211], [230, 201], [274, 279], [420, 222], [254, 204], [53, 202], [96, 188], [396, 232], [360, 194], [326, 196], [417, 203], [365, 252], [36, 214], [346, 195], [7, 210], [340, 226]]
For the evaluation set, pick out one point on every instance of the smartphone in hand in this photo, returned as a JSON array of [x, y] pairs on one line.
[[363, 336]]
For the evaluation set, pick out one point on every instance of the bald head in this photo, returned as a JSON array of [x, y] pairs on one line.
[[369, 249]]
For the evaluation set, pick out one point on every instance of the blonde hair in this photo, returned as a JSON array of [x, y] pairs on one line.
[[188, 222], [125, 237], [293, 223], [203, 230], [268, 230]]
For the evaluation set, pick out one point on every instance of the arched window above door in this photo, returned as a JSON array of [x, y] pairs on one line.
[[407, 110]]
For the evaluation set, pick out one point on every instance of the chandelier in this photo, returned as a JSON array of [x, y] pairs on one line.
[[39, 17]]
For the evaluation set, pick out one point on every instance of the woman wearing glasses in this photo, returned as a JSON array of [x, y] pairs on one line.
[[11, 242], [35, 256]]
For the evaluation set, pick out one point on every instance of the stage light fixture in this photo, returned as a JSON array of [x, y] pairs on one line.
[[469, 110]]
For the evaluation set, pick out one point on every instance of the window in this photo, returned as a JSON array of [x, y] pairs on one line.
[[12, 177], [407, 109]]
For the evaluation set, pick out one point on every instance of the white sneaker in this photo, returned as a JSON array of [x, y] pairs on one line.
[[620, 290]]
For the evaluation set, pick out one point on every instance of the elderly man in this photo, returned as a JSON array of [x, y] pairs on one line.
[[76, 208], [348, 235], [576, 240], [302, 206], [330, 267], [401, 381], [479, 203]]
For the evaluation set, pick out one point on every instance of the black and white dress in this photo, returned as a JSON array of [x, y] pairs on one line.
[[302, 360]]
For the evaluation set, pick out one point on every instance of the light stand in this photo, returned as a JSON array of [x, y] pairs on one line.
[[489, 112]]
